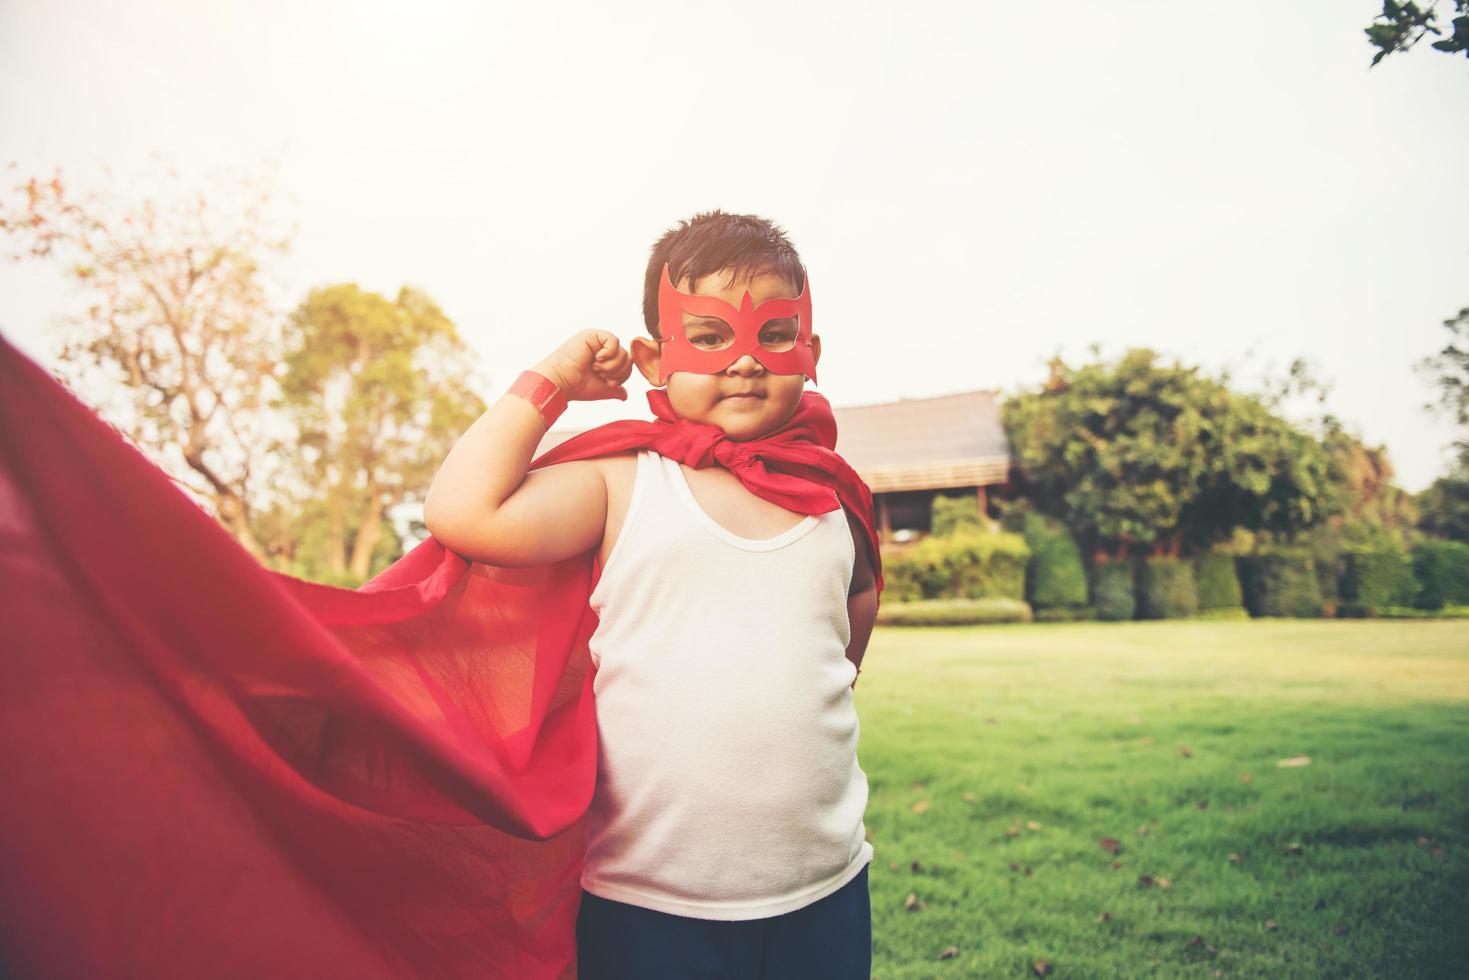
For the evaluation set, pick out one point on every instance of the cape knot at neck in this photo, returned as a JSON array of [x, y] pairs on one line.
[[733, 454]]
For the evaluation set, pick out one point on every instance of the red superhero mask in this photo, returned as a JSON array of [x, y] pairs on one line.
[[722, 334]]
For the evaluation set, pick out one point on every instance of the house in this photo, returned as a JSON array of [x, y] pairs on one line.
[[912, 450]]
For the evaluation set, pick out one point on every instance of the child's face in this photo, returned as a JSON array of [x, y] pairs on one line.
[[710, 398]]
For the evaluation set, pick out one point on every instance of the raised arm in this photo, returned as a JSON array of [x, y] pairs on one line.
[[484, 504]]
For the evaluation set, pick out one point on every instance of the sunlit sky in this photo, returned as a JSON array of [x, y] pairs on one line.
[[974, 186]]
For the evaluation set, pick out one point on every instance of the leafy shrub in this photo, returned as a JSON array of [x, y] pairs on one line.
[[1055, 577], [1217, 582], [953, 612], [964, 565], [1410, 612], [900, 578], [1280, 582], [1372, 579], [1441, 569], [951, 515], [1167, 589], [1112, 591], [1012, 512], [1329, 567]]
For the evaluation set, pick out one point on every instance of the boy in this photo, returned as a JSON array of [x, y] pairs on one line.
[[725, 837]]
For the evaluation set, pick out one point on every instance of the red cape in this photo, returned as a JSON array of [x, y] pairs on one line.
[[211, 769]]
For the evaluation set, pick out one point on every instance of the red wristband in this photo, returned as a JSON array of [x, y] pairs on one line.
[[541, 392]]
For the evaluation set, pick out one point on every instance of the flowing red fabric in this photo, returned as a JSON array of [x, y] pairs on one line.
[[211, 769]]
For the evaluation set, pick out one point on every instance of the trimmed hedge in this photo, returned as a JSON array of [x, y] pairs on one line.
[[1409, 612], [1329, 568], [1280, 582], [953, 612], [1112, 591], [1217, 582], [1441, 569], [1167, 590], [965, 565], [1374, 579], [951, 515], [1055, 577]]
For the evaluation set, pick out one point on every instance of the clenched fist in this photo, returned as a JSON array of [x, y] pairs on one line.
[[590, 366]]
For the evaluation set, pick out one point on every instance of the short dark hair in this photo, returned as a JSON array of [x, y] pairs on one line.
[[745, 244]]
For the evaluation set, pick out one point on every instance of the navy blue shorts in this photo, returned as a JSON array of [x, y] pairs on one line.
[[830, 939]]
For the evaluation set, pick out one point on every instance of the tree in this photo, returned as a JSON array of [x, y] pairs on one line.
[[1448, 370], [1140, 457], [1374, 508], [177, 337], [1402, 25], [1375, 513], [1444, 507], [1444, 504], [378, 390]]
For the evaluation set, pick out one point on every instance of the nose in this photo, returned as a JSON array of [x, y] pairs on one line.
[[745, 364]]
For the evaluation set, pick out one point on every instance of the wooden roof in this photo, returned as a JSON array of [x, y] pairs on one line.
[[926, 443], [945, 441]]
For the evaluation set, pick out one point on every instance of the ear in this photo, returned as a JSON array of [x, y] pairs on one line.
[[815, 349], [647, 355]]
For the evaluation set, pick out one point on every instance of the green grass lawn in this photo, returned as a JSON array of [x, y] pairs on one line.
[[1108, 798]]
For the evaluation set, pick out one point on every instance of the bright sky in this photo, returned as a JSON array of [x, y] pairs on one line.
[[974, 186]]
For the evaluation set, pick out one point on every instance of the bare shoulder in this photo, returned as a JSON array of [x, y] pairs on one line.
[[618, 469], [619, 472]]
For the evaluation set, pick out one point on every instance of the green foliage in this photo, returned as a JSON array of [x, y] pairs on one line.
[[964, 565], [1140, 455], [1373, 579], [1012, 512], [379, 391], [1280, 582], [901, 578], [1055, 577], [1328, 568], [1448, 370], [1441, 569], [1412, 612], [306, 536], [1113, 593], [953, 612], [1217, 582], [1443, 508], [949, 515], [1402, 25], [1375, 510], [1332, 542], [1166, 589], [1376, 515]]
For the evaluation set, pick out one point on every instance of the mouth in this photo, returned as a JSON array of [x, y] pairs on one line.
[[742, 396]]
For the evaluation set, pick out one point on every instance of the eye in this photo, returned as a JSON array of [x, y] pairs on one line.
[[778, 338], [708, 334]]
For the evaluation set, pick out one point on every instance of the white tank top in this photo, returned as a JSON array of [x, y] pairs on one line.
[[727, 777]]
